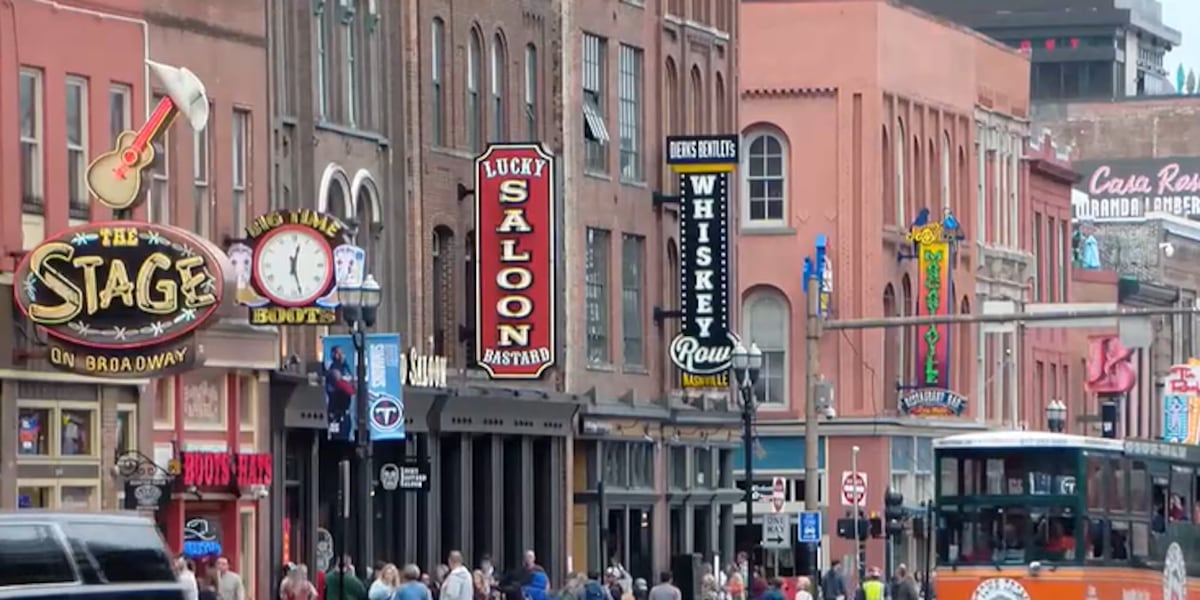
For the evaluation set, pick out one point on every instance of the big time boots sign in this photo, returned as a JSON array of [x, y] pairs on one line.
[[703, 349]]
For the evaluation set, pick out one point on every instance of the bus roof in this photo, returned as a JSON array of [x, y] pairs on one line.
[[1026, 439]]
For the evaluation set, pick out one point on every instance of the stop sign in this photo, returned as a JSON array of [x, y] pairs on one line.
[[854, 488]]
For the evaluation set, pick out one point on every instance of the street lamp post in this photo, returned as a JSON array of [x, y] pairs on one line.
[[360, 304], [1056, 416], [747, 364]]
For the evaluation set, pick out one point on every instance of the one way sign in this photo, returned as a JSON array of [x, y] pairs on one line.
[[777, 531]]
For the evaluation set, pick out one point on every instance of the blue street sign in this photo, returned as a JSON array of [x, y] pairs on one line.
[[809, 528]]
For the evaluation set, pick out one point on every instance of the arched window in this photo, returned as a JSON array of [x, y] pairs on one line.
[[469, 293], [337, 197], [672, 290], [966, 349], [699, 117], [918, 180], [474, 83], [891, 343], [721, 110], [499, 77], [765, 319], [442, 279], [766, 178], [531, 92], [946, 158], [907, 336], [437, 66], [672, 108], [902, 215], [888, 186], [932, 178]]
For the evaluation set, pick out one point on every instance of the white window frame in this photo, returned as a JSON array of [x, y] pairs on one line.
[[474, 92], [78, 152], [437, 42], [531, 91], [594, 75], [634, 290], [321, 39], [748, 138], [201, 178], [900, 143], [120, 92], [34, 201], [631, 62], [352, 95], [242, 131], [499, 77], [748, 304], [599, 246]]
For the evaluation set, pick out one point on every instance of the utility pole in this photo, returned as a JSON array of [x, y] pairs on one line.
[[812, 344]]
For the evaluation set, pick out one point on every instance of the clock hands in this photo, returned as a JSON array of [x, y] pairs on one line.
[[295, 272]]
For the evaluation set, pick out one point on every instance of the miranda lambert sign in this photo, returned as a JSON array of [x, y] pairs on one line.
[[703, 350], [1123, 189]]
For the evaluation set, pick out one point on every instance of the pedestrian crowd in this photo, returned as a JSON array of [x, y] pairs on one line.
[[214, 581]]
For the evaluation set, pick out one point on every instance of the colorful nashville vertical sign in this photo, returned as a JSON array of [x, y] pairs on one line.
[[124, 298], [934, 244], [515, 221], [703, 349]]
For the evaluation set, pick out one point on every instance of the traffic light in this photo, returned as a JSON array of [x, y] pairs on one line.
[[845, 528], [893, 511]]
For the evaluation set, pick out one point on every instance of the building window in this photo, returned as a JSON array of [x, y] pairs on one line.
[[241, 167], [629, 97], [766, 317], [321, 39], [531, 92], [1039, 281], [32, 171], [981, 184], [599, 242], [499, 76], [946, 171], [469, 308], [33, 431], [127, 429], [120, 110], [77, 128], [437, 43], [474, 82], [160, 172], [720, 108], [57, 430], [201, 167], [1064, 249], [633, 260], [1051, 260], [699, 116], [351, 50], [595, 131], [443, 288], [902, 215], [77, 497], [766, 179]]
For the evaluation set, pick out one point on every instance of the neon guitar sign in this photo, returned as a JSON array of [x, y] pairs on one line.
[[115, 177]]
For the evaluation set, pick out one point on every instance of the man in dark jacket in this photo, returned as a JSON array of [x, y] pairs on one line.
[[905, 587], [833, 585], [335, 580]]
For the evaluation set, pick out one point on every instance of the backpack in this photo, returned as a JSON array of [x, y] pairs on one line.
[[594, 591]]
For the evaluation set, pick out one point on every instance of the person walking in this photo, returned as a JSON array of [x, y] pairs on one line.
[[185, 571], [905, 587], [457, 584], [411, 587], [833, 587], [387, 581], [296, 585], [666, 589], [872, 587], [341, 583], [802, 589], [228, 583], [774, 590]]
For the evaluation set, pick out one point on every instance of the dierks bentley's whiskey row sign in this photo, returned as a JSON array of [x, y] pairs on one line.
[[515, 212], [121, 299]]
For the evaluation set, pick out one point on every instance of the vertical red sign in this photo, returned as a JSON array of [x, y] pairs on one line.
[[515, 196]]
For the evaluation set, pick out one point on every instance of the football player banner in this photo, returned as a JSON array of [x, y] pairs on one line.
[[385, 394]]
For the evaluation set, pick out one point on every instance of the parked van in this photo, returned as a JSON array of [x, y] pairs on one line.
[[84, 555]]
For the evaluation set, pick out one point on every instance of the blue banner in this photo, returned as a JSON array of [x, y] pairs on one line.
[[384, 391]]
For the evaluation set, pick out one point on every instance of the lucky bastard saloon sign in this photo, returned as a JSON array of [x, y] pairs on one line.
[[122, 298], [515, 192], [703, 349]]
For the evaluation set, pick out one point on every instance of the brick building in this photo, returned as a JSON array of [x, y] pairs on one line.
[[858, 154]]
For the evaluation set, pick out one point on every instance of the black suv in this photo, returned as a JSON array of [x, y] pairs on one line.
[[56, 555]]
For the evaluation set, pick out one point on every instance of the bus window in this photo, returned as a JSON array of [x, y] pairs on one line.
[[949, 476], [1180, 501], [986, 535], [1117, 490], [1054, 534], [1139, 488], [1096, 483]]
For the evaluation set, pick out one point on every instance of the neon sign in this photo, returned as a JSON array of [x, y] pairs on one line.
[[933, 243]]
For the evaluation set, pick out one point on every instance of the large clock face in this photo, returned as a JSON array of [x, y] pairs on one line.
[[293, 266]]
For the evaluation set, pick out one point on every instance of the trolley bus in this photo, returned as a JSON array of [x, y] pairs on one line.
[[1053, 516]]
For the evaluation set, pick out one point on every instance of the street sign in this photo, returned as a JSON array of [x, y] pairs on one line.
[[777, 531], [854, 488], [778, 493], [808, 528]]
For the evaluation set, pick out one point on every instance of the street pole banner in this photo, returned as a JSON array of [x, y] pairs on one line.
[[385, 392]]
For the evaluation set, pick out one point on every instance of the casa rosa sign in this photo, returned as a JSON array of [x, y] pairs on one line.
[[515, 191], [1131, 188], [121, 298]]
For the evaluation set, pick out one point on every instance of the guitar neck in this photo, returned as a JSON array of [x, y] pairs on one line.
[[164, 113]]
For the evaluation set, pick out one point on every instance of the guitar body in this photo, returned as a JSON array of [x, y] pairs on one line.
[[115, 177]]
